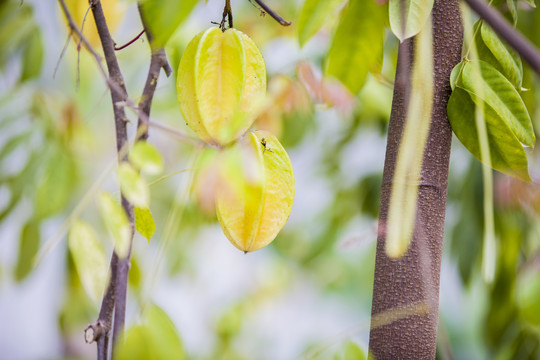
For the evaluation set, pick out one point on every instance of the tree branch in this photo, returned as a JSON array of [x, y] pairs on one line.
[[517, 41], [118, 94], [100, 330], [75, 29], [265, 8], [111, 303], [158, 60]]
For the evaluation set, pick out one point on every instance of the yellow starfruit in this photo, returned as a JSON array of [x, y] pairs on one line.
[[221, 84], [257, 192]]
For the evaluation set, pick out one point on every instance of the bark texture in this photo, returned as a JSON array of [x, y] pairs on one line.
[[406, 291]]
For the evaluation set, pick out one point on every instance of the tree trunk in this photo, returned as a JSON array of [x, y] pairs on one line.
[[404, 315]]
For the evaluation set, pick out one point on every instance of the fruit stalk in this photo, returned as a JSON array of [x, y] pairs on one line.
[[265, 8]]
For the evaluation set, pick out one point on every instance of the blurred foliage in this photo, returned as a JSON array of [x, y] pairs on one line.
[[57, 144], [155, 338]]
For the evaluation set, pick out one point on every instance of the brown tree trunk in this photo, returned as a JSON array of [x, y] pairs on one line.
[[404, 315]]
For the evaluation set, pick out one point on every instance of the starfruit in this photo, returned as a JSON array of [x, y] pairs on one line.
[[221, 84], [256, 194]]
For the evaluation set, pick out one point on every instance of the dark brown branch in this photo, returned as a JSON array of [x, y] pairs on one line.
[[118, 95], [158, 60], [159, 53], [518, 42], [272, 13], [100, 330], [117, 48]]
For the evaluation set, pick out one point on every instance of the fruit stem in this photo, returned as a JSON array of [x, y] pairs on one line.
[[130, 42], [266, 9], [227, 16]]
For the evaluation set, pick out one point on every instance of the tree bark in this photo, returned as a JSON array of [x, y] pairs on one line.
[[404, 315]]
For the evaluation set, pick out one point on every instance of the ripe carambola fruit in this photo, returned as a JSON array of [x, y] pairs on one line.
[[221, 84], [254, 208]]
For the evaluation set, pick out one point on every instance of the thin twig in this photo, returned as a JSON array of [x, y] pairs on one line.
[[517, 41], [175, 133], [78, 81], [130, 42], [272, 13], [75, 29], [62, 54]]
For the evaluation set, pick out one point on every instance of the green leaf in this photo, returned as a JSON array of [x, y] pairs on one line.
[[507, 153], [357, 46], [16, 27], [531, 2], [133, 186], [164, 16], [164, 335], [354, 352], [117, 223], [528, 297], [146, 157], [456, 73], [512, 9], [13, 143], [32, 56], [135, 274], [312, 17], [144, 222], [415, 13], [508, 61], [89, 258], [136, 345], [500, 95], [28, 248], [230, 322], [54, 188], [482, 50], [350, 351], [156, 338]]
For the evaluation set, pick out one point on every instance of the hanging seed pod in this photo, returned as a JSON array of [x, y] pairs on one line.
[[256, 196], [221, 84]]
